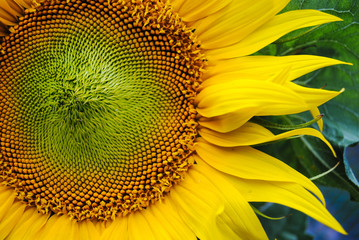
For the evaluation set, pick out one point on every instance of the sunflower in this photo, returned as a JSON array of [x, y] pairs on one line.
[[133, 119]]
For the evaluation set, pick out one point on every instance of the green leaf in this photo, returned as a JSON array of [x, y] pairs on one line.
[[351, 162]]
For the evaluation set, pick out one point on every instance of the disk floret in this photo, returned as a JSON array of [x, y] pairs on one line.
[[97, 109]]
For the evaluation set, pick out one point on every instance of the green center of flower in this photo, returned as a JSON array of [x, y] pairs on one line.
[[97, 116]]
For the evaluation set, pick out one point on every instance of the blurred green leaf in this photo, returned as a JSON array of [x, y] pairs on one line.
[[351, 162]]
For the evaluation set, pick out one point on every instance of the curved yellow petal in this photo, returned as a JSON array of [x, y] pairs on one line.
[[116, 229], [28, 225], [159, 221], [315, 113], [229, 122], [190, 10], [252, 134], [289, 194], [224, 214], [134, 221], [264, 67], [86, 230], [7, 18], [58, 228], [271, 31], [11, 218], [313, 97], [237, 208], [167, 219], [249, 163], [26, 3], [12, 7], [7, 198], [273, 98], [235, 22], [227, 97], [197, 209]]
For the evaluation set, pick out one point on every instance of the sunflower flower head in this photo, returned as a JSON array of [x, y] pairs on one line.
[[117, 116]]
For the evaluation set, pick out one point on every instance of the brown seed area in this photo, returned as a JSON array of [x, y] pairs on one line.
[[96, 106]]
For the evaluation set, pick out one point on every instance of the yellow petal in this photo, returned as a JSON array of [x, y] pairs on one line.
[[190, 10], [11, 218], [197, 208], [28, 225], [229, 122], [164, 218], [11, 7], [252, 134], [249, 163], [7, 18], [145, 232], [234, 22], [246, 223], [58, 228], [87, 231], [26, 3], [288, 194], [313, 97], [117, 229], [271, 31], [234, 96], [264, 67], [210, 213], [315, 113], [7, 198]]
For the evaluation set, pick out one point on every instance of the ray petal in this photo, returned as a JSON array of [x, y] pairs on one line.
[[215, 213], [252, 134], [117, 229], [249, 163], [289, 194], [190, 10], [265, 67], [167, 223], [234, 96], [29, 224], [11, 218], [271, 31], [235, 22], [58, 228]]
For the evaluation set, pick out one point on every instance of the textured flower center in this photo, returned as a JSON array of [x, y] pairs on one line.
[[97, 116]]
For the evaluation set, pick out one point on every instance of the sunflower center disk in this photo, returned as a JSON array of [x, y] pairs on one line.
[[97, 117]]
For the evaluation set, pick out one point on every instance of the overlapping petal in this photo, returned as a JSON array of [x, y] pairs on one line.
[[265, 67], [28, 225], [272, 30], [190, 10], [289, 194], [224, 212], [226, 26], [249, 163], [252, 134]]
